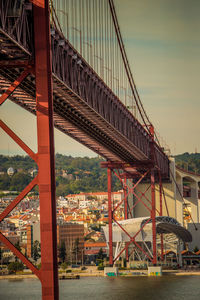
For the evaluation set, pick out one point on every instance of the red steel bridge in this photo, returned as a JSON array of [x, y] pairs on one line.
[[65, 62]]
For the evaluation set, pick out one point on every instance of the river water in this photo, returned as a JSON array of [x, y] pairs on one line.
[[140, 288]]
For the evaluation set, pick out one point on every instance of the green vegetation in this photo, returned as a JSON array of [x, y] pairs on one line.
[[196, 249], [17, 246], [64, 266], [17, 182], [189, 162], [36, 252], [13, 267], [62, 251], [73, 174], [100, 254], [16, 162], [76, 249]]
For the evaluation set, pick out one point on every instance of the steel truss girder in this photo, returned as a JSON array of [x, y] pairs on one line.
[[15, 23], [73, 71]]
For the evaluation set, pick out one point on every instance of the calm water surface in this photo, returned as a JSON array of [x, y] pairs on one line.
[[139, 288]]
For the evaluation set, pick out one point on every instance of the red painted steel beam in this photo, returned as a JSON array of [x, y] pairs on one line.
[[132, 240], [20, 197], [5, 241], [14, 85], [153, 201], [16, 63], [46, 159], [161, 213], [18, 141], [143, 194], [110, 215], [125, 199], [29, 187], [140, 200], [153, 216], [125, 186], [125, 207]]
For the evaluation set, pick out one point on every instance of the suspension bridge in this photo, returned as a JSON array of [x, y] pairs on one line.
[[65, 62]]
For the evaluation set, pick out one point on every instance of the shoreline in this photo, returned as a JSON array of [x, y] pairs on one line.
[[101, 274]]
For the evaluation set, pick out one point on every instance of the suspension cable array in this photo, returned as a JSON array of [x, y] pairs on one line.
[[93, 29]]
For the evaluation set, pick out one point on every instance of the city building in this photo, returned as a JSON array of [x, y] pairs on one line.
[[72, 234], [10, 171], [92, 250]]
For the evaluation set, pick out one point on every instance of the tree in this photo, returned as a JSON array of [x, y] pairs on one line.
[[36, 251], [100, 254], [4, 182], [64, 266], [19, 181], [196, 249], [76, 249], [17, 246], [62, 251], [13, 267]]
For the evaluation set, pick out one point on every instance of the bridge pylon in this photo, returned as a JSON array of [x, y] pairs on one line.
[[41, 68]]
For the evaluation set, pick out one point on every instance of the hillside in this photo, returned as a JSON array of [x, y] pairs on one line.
[[189, 162], [73, 174]]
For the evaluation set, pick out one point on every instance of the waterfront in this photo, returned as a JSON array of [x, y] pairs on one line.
[[140, 288]]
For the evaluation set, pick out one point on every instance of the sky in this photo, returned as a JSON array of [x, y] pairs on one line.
[[162, 40]]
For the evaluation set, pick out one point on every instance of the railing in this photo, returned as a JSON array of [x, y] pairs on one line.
[[16, 21]]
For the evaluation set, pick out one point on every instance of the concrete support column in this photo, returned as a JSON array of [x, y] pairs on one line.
[[194, 201], [179, 250], [179, 200]]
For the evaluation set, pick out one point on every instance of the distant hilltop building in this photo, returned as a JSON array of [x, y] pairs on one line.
[[34, 172], [10, 171]]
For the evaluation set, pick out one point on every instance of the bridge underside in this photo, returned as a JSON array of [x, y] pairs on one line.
[[73, 117], [71, 114], [84, 107]]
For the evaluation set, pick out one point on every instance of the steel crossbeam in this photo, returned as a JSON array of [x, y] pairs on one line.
[[112, 209], [14, 85]]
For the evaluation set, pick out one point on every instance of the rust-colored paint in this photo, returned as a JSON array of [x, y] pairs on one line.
[[110, 215], [46, 160], [14, 85]]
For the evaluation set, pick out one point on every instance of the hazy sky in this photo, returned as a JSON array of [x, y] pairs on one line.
[[162, 39]]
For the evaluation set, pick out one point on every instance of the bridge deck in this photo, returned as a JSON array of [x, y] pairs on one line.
[[84, 107]]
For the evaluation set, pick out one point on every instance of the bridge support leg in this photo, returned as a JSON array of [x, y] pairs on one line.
[[110, 216], [126, 209], [46, 164], [138, 176], [161, 236], [153, 216]]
